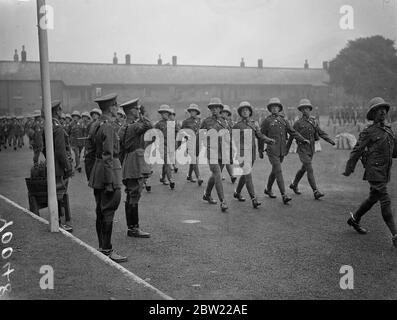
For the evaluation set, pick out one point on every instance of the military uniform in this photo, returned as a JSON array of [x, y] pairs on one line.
[[309, 128], [277, 128], [246, 178], [105, 177], [37, 140], [89, 148], [376, 147], [134, 166], [194, 125], [214, 155], [77, 140]]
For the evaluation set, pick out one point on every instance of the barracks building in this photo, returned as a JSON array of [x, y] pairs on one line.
[[78, 84]]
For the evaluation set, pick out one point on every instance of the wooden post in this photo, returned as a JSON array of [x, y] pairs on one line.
[[46, 95]]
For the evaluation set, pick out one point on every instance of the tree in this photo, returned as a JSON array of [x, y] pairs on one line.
[[366, 67]]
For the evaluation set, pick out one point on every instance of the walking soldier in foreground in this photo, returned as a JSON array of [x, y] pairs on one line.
[[246, 123], [309, 128], [277, 128], [134, 168], [105, 176], [376, 147], [193, 123], [214, 154]]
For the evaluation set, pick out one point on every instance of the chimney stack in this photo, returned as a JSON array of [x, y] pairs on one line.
[[115, 60], [16, 57], [260, 63], [174, 60], [325, 65], [127, 59], [242, 63], [306, 66], [159, 60]]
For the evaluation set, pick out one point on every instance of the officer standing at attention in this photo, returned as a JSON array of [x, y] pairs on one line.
[[193, 123], [277, 128], [63, 164], [376, 146], [134, 167], [246, 123], [309, 128], [105, 177], [218, 123]]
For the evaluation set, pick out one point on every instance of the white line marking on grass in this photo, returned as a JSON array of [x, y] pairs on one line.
[[191, 221], [94, 251]]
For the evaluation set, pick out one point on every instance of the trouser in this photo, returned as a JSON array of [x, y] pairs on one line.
[[307, 166], [247, 181], [229, 169], [88, 165], [194, 168], [133, 189], [36, 155], [77, 152], [166, 172], [12, 141], [378, 192], [20, 141], [215, 180], [106, 205], [276, 173]]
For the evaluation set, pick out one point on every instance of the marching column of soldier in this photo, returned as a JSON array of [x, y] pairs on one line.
[[114, 146]]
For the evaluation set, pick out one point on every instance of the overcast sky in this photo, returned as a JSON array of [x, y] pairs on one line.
[[207, 32]]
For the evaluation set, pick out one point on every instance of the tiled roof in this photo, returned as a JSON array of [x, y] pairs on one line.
[[86, 74]]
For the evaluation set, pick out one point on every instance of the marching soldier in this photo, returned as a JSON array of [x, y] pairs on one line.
[[20, 132], [376, 147], [218, 123], [76, 138], [36, 134], [246, 123], [309, 128], [165, 112], [105, 176], [177, 128], [227, 115], [63, 166], [89, 147], [193, 123], [277, 128], [12, 132], [134, 167]]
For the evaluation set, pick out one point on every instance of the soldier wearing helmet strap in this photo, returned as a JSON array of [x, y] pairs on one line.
[[376, 147], [309, 128], [277, 128], [246, 123]]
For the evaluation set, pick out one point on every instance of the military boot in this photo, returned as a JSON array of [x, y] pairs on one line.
[[135, 231], [209, 199], [318, 195], [113, 255], [270, 194], [238, 197], [356, 225], [286, 199], [295, 189], [255, 203], [224, 206]]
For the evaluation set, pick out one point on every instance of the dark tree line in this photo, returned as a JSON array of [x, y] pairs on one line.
[[366, 67]]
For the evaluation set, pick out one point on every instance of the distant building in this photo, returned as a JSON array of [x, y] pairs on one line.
[[77, 85]]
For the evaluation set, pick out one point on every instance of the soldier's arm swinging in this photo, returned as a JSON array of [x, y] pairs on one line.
[[357, 152]]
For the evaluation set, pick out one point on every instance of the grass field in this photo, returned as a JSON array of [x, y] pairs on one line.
[[275, 252]]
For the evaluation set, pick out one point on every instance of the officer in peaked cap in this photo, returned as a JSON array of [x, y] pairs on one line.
[[105, 177], [376, 147], [310, 129], [63, 165], [278, 129], [193, 123], [214, 155], [134, 166]]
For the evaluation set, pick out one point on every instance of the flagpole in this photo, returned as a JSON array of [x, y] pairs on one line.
[[46, 98]]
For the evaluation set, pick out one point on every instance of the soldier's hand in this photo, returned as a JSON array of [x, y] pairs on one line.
[[272, 141], [109, 188], [333, 143], [306, 141]]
